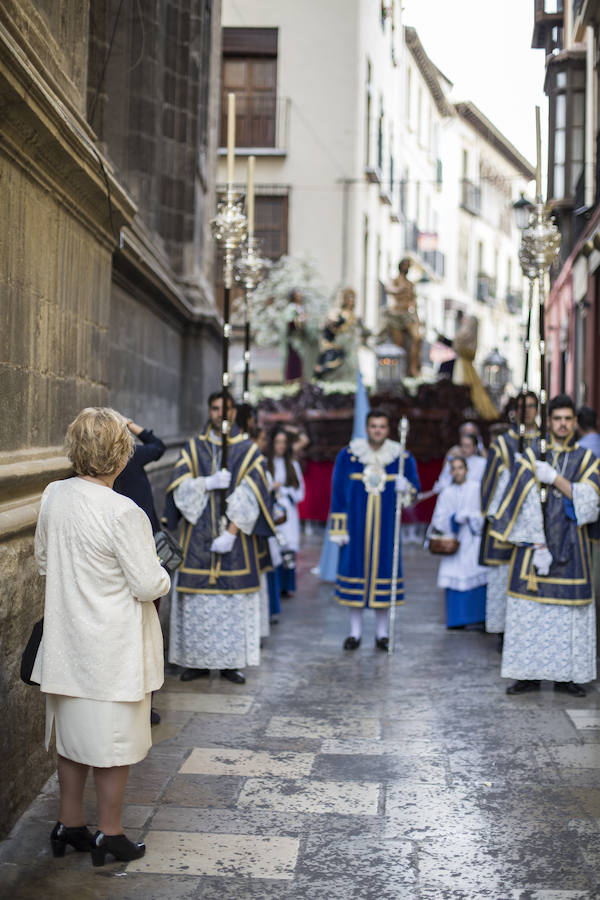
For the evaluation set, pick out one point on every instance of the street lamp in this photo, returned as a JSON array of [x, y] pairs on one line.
[[522, 209], [496, 375]]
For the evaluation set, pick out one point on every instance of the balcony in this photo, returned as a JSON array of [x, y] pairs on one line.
[[373, 174], [471, 197], [436, 261], [485, 288], [262, 126], [514, 301], [549, 14]]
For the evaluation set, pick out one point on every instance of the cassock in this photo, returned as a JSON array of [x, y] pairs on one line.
[[363, 503], [495, 553], [550, 630], [457, 512], [215, 610]]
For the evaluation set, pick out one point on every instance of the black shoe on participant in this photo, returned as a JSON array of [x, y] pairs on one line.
[[233, 675], [351, 643], [191, 674], [382, 643], [523, 687], [569, 687]]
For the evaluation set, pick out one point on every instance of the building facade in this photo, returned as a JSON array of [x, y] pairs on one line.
[[363, 158], [568, 34], [318, 107], [461, 178], [108, 135]]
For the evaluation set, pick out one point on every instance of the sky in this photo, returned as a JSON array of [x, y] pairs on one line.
[[484, 47]]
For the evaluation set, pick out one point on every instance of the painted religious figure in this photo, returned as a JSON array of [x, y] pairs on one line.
[[340, 339], [401, 319]]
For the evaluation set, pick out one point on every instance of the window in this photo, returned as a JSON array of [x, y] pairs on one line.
[[250, 72], [403, 191], [271, 224], [463, 258], [380, 123], [420, 115], [408, 96], [566, 90], [368, 114], [271, 232]]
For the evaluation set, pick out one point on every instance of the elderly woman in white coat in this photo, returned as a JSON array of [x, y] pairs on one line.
[[101, 653]]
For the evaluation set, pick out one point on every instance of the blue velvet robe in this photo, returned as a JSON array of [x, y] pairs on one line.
[[365, 565], [203, 572], [569, 582], [492, 551]]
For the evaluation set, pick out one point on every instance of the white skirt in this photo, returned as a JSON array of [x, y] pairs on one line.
[[101, 733]]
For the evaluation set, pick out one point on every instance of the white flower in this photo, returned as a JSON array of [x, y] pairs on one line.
[[270, 304]]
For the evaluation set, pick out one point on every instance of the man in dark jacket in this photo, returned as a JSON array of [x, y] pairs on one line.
[[134, 483]]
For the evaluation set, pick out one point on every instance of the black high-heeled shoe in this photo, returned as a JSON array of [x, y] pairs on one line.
[[118, 844], [80, 838]]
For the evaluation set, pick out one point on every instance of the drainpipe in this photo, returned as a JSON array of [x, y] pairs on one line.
[[590, 124]]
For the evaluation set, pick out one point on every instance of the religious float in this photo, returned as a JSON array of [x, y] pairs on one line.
[[317, 395]]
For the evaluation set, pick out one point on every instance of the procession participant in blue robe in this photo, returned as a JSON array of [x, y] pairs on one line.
[[457, 511], [215, 610], [367, 477], [494, 553], [550, 628]]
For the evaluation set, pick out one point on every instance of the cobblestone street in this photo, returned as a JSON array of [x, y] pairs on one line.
[[333, 775]]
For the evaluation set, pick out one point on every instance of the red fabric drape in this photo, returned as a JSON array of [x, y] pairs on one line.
[[317, 478]]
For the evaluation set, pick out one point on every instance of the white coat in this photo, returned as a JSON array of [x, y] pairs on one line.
[[102, 637]]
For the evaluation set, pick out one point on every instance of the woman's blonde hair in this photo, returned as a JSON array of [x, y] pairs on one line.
[[98, 441]]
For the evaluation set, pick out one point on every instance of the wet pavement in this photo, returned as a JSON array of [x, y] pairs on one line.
[[335, 775]]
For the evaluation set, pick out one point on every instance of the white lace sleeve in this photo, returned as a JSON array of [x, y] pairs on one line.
[[501, 486], [585, 502], [191, 498], [528, 527], [242, 508]]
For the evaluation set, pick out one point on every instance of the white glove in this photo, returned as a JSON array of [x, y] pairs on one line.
[[403, 485], [542, 560], [219, 481], [340, 539], [224, 543], [461, 518], [545, 473]]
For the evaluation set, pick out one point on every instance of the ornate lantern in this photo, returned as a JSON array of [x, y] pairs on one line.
[[496, 375], [391, 366]]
